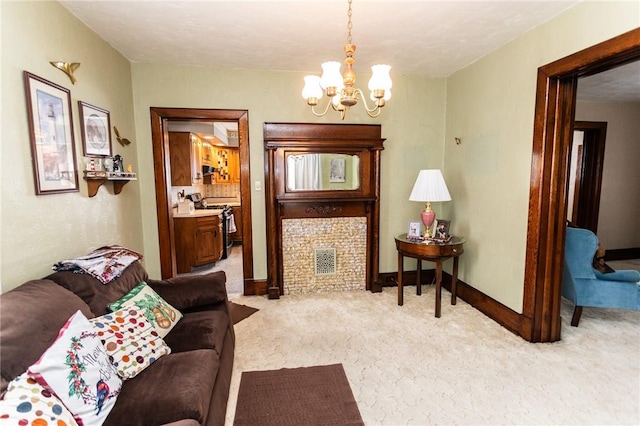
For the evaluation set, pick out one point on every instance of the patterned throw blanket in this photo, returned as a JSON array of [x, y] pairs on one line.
[[105, 264]]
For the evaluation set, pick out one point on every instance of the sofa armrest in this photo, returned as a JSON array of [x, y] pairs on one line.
[[192, 291], [626, 275]]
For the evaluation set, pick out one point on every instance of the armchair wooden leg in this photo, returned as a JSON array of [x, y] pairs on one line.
[[576, 316]]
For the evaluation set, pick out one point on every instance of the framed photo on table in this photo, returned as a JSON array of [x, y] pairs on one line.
[[414, 230], [442, 229], [53, 149], [96, 136]]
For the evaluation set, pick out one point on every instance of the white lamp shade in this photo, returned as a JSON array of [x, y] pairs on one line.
[[430, 186], [331, 76], [312, 87], [380, 78]]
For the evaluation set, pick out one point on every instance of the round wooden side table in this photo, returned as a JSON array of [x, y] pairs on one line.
[[433, 252]]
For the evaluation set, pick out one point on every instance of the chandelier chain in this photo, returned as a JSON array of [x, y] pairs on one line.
[[349, 24]]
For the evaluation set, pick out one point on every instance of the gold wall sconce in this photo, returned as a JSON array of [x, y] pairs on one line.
[[123, 141], [67, 68]]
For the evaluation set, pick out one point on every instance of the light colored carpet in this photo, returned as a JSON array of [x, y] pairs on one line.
[[232, 266], [407, 367]]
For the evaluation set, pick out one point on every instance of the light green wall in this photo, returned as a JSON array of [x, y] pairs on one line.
[[38, 231], [412, 122], [490, 106]]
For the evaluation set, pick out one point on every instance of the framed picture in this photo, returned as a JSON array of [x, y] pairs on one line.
[[442, 229], [336, 174], [414, 229], [53, 149], [95, 125]]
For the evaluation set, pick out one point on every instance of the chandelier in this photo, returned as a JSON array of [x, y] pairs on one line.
[[340, 88]]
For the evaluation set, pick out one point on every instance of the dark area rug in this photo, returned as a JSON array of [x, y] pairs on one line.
[[318, 395], [239, 312]]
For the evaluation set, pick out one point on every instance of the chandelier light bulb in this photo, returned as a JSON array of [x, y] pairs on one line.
[[312, 88], [380, 78], [331, 76]]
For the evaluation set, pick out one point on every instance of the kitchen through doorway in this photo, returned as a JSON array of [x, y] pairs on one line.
[[216, 181]]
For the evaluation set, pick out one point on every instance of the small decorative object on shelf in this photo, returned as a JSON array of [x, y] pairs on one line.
[[102, 174], [117, 164]]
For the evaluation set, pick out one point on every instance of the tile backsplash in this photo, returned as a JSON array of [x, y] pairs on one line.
[[227, 190]]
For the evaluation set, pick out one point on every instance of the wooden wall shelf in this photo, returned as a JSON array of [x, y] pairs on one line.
[[96, 179]]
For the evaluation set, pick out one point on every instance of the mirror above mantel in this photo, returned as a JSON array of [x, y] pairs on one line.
[[315, 171]]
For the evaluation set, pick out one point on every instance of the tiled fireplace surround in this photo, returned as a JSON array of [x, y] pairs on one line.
[[300, 238]]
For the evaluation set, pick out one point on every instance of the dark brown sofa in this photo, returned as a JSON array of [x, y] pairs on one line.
[[190, 386]]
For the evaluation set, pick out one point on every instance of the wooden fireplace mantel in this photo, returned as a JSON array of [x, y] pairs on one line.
[[283, 139]]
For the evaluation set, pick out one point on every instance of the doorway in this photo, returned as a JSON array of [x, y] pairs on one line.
[[553, 132], [162, 174], [585, 175]]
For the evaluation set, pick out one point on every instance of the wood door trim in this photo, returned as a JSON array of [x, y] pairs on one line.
[[553, 128], [162, 176], [593, 147]]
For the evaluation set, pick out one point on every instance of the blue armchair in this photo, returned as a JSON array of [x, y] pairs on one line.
[[586, 286]]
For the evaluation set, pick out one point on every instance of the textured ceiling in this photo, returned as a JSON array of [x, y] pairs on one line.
[[433, 38], [620, 84]]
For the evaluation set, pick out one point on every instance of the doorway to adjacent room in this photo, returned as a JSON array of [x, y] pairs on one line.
[[162, 173]]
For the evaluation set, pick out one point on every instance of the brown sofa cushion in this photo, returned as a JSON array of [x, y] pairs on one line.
[[32, 315], [176, 387], [192, 290], [199, 330], [98, 295]]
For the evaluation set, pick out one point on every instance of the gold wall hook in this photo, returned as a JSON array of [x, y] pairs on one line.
[[67, 68], [123, 141]]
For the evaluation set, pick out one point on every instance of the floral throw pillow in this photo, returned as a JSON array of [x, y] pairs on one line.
[[77, 369], [158, 312], [131, 341], [26, 402]]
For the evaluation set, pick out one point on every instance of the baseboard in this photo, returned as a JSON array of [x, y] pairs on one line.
[[503, 315], [622, 254], [255, 287]]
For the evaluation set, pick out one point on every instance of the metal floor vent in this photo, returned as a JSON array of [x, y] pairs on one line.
[[324, 261]]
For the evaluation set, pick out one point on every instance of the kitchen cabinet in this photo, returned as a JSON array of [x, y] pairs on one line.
[[185, 151], [222, 175], [208, 155], [234, 165], [227, 162], [198, 241], [237, 218]]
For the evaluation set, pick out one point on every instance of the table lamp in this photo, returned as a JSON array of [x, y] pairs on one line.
[[429, 187]]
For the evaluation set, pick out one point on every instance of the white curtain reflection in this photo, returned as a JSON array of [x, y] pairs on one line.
[[304, 172]]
